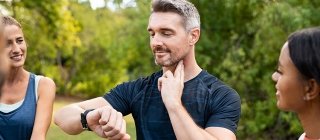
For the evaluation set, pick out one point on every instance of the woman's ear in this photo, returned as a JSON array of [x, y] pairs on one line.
[[194, 36], [312, 89]]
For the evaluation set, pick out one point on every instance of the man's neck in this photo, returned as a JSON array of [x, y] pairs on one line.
[[191, 69]]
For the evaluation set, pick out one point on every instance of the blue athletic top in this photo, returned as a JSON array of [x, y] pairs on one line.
[[209, 102], [18, 124]]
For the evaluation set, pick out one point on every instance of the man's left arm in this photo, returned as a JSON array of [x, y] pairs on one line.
[[186, 129], [171, 88]]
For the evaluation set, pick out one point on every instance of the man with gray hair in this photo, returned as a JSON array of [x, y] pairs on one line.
[[181, 101]]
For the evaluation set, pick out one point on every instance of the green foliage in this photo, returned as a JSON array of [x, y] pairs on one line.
[[87, 52]]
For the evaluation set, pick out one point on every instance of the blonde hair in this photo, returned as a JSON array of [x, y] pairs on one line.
[[8, 20]]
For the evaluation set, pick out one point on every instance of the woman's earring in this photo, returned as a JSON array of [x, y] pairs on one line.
[[306, 98]]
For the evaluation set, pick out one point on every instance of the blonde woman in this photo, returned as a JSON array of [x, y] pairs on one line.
[[26, 99]]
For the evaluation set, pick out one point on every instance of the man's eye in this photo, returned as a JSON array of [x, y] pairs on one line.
[[151, 34], [166, 34]]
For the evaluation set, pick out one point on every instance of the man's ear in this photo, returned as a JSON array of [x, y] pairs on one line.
[[312, 89], [194, 36]]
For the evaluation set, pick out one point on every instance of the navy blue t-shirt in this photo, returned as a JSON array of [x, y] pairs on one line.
[[208, 101]]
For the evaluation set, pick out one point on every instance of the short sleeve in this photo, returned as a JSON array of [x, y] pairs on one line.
[[122, 95], [224, 108]]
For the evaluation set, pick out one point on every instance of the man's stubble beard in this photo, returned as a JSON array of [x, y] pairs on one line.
[[172, 62]]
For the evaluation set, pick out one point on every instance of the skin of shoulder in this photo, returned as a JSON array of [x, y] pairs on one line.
[[46, 94], [46, 84]]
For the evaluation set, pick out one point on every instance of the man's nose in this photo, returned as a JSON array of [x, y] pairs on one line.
[[156, 41]]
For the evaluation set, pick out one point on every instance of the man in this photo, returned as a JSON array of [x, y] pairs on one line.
[[180, 102]]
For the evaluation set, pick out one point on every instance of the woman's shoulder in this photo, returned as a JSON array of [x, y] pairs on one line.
[[45, 80], [46, 85]]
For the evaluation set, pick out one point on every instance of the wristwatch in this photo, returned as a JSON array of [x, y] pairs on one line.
[[84, 120]]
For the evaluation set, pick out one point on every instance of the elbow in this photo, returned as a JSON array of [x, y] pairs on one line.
[[62, 123], [57, 119]]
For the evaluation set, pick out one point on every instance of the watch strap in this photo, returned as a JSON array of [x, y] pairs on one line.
[[84, 122]]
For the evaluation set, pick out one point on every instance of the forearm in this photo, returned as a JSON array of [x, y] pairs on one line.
[[184, 127], [68, 119], [38, 137], [40, 128]]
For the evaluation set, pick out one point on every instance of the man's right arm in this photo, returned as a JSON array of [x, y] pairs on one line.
[[68, 118], [106, 108], [105, 121]]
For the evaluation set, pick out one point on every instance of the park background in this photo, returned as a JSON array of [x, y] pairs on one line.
[[88, 47]]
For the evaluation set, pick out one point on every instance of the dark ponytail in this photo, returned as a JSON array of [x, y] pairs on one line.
[[304, 50]]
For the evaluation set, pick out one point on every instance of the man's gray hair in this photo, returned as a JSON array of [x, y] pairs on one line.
[[190, 14]]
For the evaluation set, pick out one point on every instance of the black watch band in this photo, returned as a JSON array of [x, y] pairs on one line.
[[84, 120]]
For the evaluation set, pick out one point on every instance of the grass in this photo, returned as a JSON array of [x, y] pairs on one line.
[[55, 133]]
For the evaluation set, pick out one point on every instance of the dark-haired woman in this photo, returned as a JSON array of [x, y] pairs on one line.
[[298, 80]]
